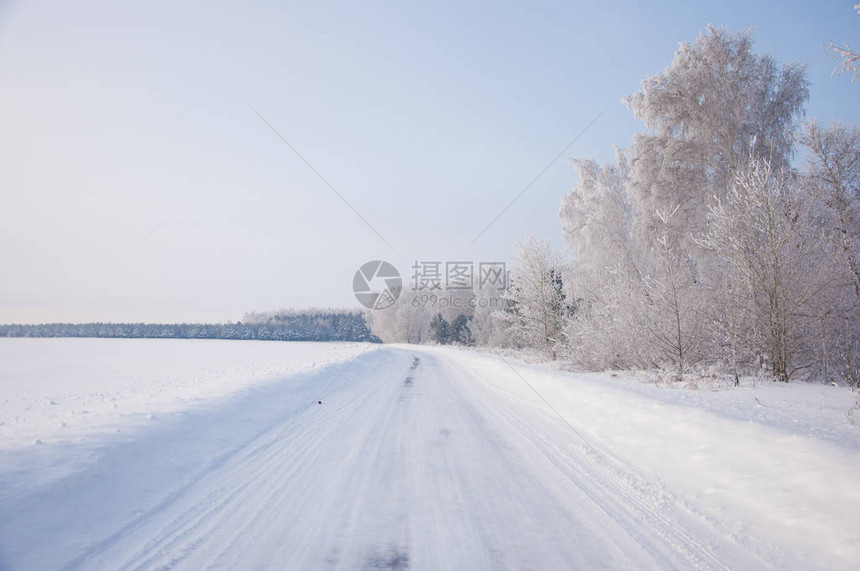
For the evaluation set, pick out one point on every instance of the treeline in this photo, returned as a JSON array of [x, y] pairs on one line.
[[276, 326], [703, 247], [455, 317]]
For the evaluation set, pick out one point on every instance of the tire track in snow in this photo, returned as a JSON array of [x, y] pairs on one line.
[[236, 478]]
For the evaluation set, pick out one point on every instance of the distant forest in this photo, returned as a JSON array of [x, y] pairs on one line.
[[276, 326]]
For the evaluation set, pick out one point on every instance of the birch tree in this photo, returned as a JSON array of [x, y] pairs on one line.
[[834, 167], [833, 175], [765, 231], [535, 297], [717, 104]]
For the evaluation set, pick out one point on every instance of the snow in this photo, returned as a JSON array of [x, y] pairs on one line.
[[418, 457], [774, 465], [56, 389]]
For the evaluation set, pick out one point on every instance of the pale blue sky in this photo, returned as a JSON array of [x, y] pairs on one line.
[[139, 184]]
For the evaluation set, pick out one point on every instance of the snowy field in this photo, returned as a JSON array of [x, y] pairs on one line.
[[200, 454], [60, 389]]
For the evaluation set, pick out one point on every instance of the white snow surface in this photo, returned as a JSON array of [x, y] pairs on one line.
[[417, 457], [53, 389]]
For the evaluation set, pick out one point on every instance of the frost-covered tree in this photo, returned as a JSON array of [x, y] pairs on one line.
[[462, 316], [849, 60], [606, 285], [717, 104], [488, 325], [642, 283], [834, 167], [401, 323], [833, 176], [672, 319], [766, 232], [597, 219], [536, 300]]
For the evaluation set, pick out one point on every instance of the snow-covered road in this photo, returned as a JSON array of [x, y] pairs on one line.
[[419, 458]]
